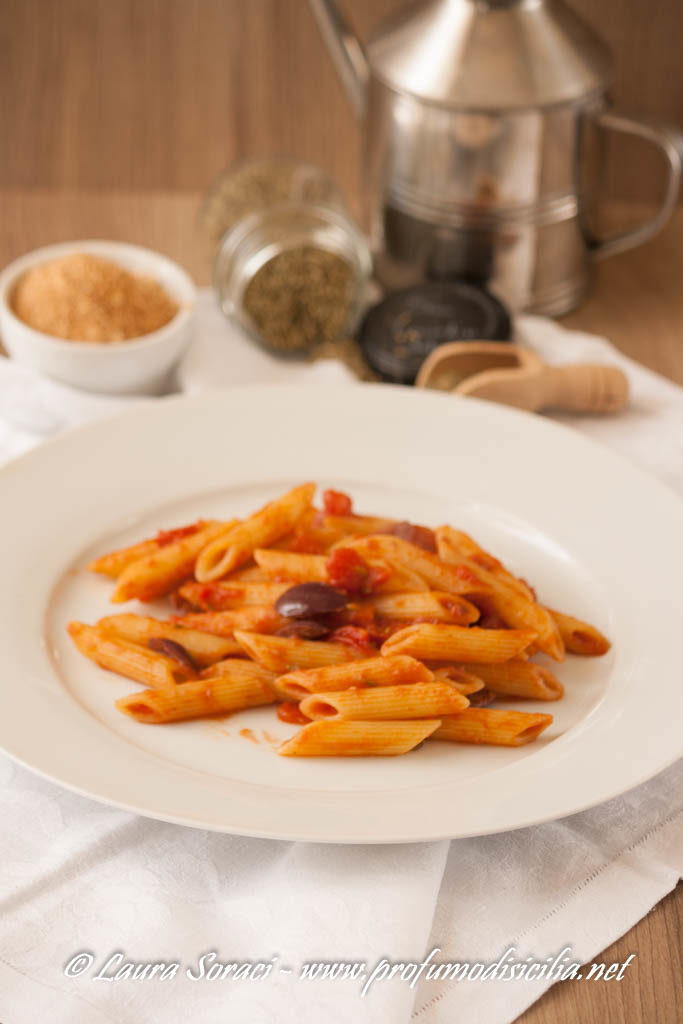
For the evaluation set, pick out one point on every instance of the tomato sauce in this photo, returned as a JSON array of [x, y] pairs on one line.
[[165, 537], [336, 503], [347, 571], [354, 636], [290, 712]]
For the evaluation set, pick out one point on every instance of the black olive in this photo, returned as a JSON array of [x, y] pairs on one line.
[[308, 599], [307, 629]]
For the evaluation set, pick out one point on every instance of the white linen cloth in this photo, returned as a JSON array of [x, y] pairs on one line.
[[76, 876]]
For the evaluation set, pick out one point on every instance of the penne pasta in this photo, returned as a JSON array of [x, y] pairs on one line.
[[387, 703], [226, 595], [139, 629], [303, 568], [458, 643], [580, 637], [254, 618], [340, 737], [285, 654], [468, 547], [248, 574], [461, 679], [236, 546], [431, 605], [218, 695], [292, 565], [354, 526], [366, 672], [437, 574], [165, 569], [521, 679], [113, 563], [457, 629], [118, 655], [515, 608], [238, 668], [492, 726]]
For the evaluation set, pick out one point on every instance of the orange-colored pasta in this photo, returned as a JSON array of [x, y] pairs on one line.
[[285, 654], [139, 629], [442, 642], [340, 737], [513, 606], [431, 605], [197, 699], [237, 546], [366, 672], [494, 727], [521, 679], [225, 595], [256, 618], [386, 703], [394, 665], [437, 574], [130, 660], [580, 637], [165, 569]]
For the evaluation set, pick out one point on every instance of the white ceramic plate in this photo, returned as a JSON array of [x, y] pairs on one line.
[[597, 537]]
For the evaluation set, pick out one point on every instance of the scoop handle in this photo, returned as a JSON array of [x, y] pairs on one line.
[[584, 387]]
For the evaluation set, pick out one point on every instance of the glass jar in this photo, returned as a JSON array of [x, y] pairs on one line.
[[292, 267]]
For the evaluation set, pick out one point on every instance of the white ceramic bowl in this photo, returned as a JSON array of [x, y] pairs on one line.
[[139, 365]]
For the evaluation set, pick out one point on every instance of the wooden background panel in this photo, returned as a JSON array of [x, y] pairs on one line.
[[165, 93]]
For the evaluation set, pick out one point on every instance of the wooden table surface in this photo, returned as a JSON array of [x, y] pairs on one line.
[[637, 302]]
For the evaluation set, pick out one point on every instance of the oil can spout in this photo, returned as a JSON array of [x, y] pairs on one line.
[[346, 51]]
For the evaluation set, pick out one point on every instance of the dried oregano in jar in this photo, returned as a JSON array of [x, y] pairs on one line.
[[300, 297], [292, 272]]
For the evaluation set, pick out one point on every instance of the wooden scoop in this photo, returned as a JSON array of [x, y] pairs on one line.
[[513, 375]]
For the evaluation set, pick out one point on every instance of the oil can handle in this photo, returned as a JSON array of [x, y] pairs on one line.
[[670, 141]]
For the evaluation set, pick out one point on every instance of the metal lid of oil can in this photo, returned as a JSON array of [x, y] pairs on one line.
[[491, 54]]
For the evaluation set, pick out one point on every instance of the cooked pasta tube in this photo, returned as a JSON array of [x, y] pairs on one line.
[[197, 699], [461, 679], [138, 663], [248, 574], [516, 609], [254, 618], [284, 654], [236, 547], [366, 672], [165, 569], [202, 647], [521, 679], [401, 553], [386, 703], [113, 563], [238, 668], [442, 642], [303, 568], [226, 594], [492, 726], [339, 737], [580, 637], [485, 560], [432, 604], [292, 565], [350, 526]]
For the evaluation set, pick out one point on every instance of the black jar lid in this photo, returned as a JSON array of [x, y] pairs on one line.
[[399, 332]]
